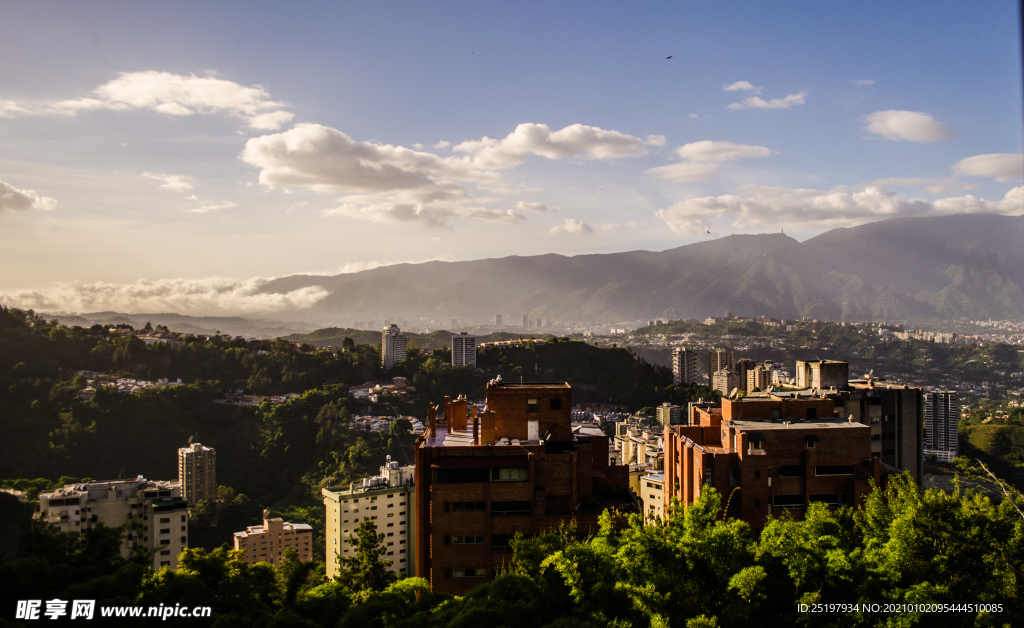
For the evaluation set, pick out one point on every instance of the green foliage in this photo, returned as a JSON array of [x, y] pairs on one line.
[[367, 570]]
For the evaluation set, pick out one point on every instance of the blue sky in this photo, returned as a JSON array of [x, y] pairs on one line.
[[173, 156]]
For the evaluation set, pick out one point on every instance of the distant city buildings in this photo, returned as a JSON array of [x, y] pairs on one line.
[[652, 494], [266, 543], [685, 366], [725, 381], [197, 472], [388, 500], [156, 514], [720, 359], [526, 321], [941, 419], [392, 346], [464, 350], [822, 374]]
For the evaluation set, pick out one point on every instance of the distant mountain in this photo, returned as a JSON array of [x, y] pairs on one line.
[[900, 269]]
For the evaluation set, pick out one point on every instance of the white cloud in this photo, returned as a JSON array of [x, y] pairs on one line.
[[863, 83], [382, 209], [741, 86], [210, 206], [701, 159], [756, 102], [572, 227], [575, 140], [358, 267], [14, 200], [443, 144], [691, 115], [913, 126], [782, 206], [531, 207], [207, 296], [172, 182], [1001, 166], [169, 94]]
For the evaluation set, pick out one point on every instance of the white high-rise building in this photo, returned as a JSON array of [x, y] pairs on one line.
[[388, 500], [464, 350], [155, 513], [197, 472], [684, 366], [392, 346], [941, 420]]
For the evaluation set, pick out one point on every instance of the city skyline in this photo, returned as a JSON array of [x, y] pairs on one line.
[[169, 157]]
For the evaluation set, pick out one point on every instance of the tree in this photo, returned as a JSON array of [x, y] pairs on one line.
[[368, 569]]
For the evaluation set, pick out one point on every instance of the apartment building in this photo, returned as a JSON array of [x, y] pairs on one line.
[[197, 472], [464, 350], [392, 346], [725, 381], [389, 501], [668, 414], [822, 374], [517, 465], [155, 512], [720, 359], [768, 454], [685, 366], [652, 495], [266, 543], [942, 418]]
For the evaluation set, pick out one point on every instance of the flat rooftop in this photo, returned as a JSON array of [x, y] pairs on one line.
[[795, 424], [464, 438], [504, 384]]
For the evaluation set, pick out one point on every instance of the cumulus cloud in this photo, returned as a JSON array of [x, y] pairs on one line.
[[1001, 166], [169, 94], [756, 102], [575, 140], [912, 126], [615, 226], [765, 205], [863, 83], [531, 207], [14, 200], [572, 227], [205, 207], [741, 86], [172, 182], [386, 183], [700, 160], [207, 296]]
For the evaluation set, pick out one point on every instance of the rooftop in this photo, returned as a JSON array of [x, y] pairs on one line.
[[800, 424]]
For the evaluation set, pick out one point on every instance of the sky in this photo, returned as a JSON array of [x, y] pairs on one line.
[[175, 156]]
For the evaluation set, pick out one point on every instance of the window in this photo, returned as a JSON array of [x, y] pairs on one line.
[[533, 405], [514, 474], [165, 530], [391, 495], [460, 476], [556, 404], [165, 552], [757, 475], [788, 501], [510, 509], [812, 414], [463, 506], [501, 542], [791, 471], [757, 503], [468, 573], [165, 563], [165, 520], [468, 539], [836, 469], [830, 499]]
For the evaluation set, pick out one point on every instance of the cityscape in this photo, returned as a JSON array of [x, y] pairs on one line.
[[523, 315]]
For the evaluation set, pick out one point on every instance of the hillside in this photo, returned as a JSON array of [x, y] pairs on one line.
[[901, 269]]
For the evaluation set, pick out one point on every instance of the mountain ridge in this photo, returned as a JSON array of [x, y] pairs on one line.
[[939, 267]]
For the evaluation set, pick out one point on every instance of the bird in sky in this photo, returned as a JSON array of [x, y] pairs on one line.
[[669, 57], [707, 230]]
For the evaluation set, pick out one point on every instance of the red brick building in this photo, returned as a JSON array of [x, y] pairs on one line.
[[517, 465], [767, 454]]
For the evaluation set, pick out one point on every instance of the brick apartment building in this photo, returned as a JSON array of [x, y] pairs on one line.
[[517, 465], [266, 543], [767, 454]]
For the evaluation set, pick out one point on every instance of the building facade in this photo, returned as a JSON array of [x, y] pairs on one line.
[[766, 454], [725, 380], [266, 543], [519, 465], [720, 359], [685, 366], [822, 374], [668, 414], [155, 512], [941, 420], [197, 472], [392, 346], [652, 495], [464, 350], [389, 501]]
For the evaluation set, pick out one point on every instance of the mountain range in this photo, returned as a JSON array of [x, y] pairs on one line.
[[900, 269]]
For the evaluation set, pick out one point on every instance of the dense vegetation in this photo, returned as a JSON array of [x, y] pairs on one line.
[[272, 455], [700, 569]]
